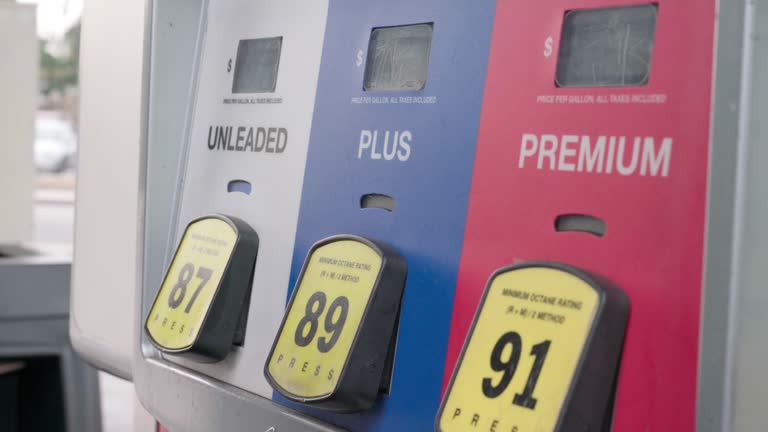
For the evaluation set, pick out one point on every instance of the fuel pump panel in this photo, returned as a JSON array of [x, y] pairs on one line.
[[512, 176], [246, 150], [588, 111], [390, 158]]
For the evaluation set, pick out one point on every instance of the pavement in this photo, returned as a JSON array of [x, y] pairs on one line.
[[54, 215], [63, 181], [55, 188]]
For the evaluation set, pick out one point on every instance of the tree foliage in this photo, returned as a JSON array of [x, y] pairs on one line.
[[58, 73]]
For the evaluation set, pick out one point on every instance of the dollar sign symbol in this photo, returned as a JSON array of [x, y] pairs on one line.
[[359, 60], [229, 65], [548, 47]]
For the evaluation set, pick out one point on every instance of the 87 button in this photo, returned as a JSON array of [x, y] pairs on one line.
[[207, 282]]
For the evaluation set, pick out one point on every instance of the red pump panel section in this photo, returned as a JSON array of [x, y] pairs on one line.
[[540, 156]]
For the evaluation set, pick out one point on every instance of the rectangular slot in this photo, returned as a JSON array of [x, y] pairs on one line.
[[607, 47], [582, 223], [379, 201], [256, 65], [398, 58]]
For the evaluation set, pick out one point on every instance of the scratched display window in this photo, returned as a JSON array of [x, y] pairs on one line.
[[398, 58], [256, 65], [609, 47]]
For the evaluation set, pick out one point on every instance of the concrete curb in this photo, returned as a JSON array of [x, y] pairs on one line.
[[54, 196]]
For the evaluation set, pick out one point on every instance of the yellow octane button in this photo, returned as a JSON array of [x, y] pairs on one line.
[[206, 285], [332, 345], [528, 364]]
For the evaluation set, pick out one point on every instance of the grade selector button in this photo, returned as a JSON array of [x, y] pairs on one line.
[[542, 353], [334, 340], [199, 308]]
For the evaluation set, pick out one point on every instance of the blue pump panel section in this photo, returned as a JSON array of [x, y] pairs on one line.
[[390, 132]]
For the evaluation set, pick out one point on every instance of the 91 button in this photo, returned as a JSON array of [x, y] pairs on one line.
[[332, 346], [542, 353], [198, 311]]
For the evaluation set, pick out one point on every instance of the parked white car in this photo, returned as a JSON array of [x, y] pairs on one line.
[[55, 144]]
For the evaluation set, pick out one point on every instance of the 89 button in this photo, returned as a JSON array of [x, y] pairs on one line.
[[329, 350]]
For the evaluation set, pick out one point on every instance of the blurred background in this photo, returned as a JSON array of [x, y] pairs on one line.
[[55, 160], [56, 125], [56, 122]]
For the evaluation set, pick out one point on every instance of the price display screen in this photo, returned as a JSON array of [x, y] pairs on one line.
[[256, 65], [607, 47], [398, 58]]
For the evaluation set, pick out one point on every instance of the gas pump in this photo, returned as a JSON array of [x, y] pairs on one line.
[[366, 216]]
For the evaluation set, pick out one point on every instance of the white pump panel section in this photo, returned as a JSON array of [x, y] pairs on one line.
[[255, 95]]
